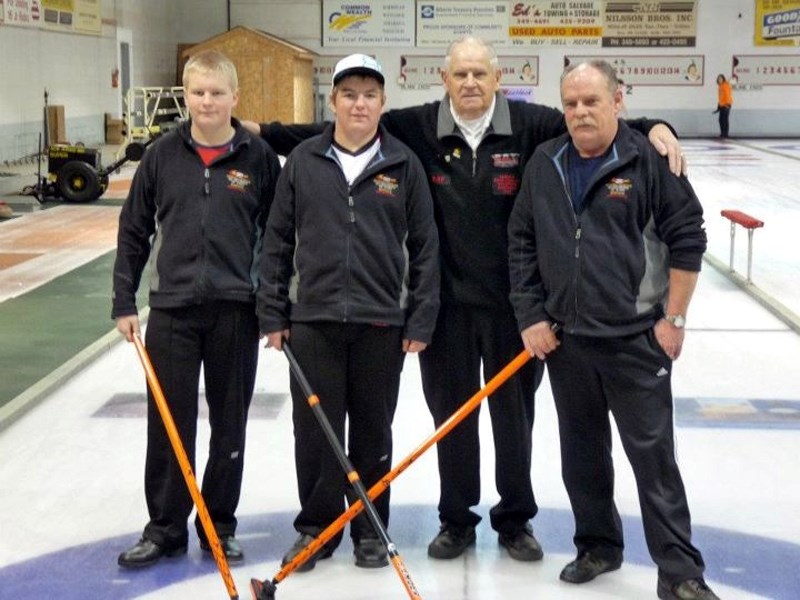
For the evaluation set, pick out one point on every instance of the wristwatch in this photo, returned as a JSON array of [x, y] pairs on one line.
[[678, 321]]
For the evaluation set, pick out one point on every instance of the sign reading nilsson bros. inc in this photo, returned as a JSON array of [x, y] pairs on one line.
[[650, 24]]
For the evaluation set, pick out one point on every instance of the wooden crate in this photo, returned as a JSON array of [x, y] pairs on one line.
[[115, 130]]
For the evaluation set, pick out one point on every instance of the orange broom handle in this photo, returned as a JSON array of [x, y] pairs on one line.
[[186, 468]]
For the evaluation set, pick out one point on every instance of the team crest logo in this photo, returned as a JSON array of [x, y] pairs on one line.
[[238, 181], [505, 184], [505, 161], [385, 185], [618, 188], [440, 179]]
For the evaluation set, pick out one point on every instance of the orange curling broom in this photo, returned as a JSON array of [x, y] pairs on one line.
[[186, 468], [266, 589]]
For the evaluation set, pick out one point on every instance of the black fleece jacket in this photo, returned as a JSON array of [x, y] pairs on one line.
[[203, 225], [367, 252], [603, 272]]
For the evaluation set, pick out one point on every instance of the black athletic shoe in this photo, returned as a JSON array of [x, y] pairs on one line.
[[690, 589], [370, 553], [303, 540], [230, 546], [521, 544], [451, 541], [145, 553], [586, 567]]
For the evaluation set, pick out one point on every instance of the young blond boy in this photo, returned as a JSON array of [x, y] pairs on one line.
[[196, 210]]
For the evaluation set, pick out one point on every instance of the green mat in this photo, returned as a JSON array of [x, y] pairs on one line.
[[44, 328]]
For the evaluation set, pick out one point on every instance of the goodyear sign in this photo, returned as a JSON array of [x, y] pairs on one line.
[[777, 23]]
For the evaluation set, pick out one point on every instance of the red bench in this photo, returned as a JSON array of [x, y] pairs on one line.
[[737, 217]]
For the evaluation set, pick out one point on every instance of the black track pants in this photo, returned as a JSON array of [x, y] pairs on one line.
[[630, 377], [465, 339], [223, 338], [355, 371]]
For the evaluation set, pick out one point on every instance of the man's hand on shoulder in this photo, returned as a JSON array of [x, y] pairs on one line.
[[252, 127], [666, 144]]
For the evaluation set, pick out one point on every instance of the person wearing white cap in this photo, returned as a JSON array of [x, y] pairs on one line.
[[351, 272], [474, 145], [359, 64]]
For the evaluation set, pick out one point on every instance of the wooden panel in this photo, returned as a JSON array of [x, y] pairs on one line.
[[56, 125], [303, 91], [253, 94]]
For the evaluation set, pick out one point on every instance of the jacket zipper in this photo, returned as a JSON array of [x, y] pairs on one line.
[[577, 254], [203, 218], [351, 218], [351, 214]]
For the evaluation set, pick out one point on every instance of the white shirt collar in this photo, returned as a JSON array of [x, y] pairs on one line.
[[352, 165], [474, 129]]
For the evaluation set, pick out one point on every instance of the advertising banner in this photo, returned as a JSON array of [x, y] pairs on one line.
[[373, 23], [519, 70], [647, 24], [24, 13], [556, 23], [88, 17], [777, 23], [68, 16], [422, 72], [766, 70], [323, 68], [58, 15], [439, 23], [653, 70]]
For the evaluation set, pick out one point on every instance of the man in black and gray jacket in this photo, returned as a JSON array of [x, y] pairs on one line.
[[607, 243]]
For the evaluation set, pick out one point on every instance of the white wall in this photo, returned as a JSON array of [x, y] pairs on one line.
[[35, 61], [202, 19], [76, 71]]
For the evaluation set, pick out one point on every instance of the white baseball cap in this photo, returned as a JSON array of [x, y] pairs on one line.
[[358, 64]]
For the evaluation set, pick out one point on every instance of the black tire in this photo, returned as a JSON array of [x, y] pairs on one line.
[[77, 181]]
